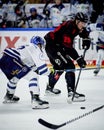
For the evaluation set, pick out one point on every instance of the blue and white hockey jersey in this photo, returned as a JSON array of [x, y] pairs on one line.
[[31, 56], [99, 29]]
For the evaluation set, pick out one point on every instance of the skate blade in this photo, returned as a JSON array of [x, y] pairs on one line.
[[9, 102], [79, 100], [48, 93], [95, 74], [40, 107]]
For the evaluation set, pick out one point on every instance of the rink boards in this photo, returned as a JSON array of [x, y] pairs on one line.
[[14, 37]]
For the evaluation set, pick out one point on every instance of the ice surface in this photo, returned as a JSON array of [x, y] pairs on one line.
[[20, 116]]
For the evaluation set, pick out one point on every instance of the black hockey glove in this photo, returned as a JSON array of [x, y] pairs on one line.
[[81, 62], [86, 43]]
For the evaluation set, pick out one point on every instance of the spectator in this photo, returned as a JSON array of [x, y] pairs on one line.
[[20, 15], [84, 6], [8, 14], [56, 15], [100, 18], [34, 18], [2, 17], [58, 4]]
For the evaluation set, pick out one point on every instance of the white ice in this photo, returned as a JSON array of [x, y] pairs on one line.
[[20, 116]]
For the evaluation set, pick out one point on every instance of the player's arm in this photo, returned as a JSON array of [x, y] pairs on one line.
[[39, 60], [75, 56]]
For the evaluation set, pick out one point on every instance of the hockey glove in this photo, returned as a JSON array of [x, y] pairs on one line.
[[51, 69], [86, 43], [81, 62]]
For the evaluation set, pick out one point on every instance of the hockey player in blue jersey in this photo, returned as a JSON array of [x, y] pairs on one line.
[[99, 27], [25, 62], [100, 52]]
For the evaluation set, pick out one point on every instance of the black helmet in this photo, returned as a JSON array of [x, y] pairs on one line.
[[82, 17]]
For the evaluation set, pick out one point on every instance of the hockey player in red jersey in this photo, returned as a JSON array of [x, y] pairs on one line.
[[60, 50]]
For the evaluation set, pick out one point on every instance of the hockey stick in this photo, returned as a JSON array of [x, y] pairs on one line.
[[99, 45], [24, 69], [78, 77], [53, 126], [68, 70]]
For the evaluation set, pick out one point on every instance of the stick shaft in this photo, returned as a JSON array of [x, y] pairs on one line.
[[85, 114], [78, 78], [68, 70], [53, 126]]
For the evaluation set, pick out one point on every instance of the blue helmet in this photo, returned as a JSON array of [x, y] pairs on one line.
[[33, 10], [37, 40]]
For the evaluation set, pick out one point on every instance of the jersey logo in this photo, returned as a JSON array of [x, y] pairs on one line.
[[57, 61], [41, 57], [15, 72]]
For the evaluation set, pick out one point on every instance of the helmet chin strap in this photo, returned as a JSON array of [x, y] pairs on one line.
[[40, 46]]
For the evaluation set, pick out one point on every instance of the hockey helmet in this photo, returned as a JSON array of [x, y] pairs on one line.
[[37, 40], [33, 10], [82, 17]]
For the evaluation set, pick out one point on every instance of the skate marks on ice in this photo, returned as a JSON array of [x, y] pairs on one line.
[[21, 116]]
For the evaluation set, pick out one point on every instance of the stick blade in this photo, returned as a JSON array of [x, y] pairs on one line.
[[47, 124]]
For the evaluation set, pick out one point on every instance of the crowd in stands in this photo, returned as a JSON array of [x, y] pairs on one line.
[[53, 13]]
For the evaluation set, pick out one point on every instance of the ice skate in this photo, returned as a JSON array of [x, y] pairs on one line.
[[77, 97], [96, 71], [10, 98], [52, 91], [37, 103]]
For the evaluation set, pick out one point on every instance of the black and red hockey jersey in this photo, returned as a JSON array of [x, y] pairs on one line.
[[64, 34]]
